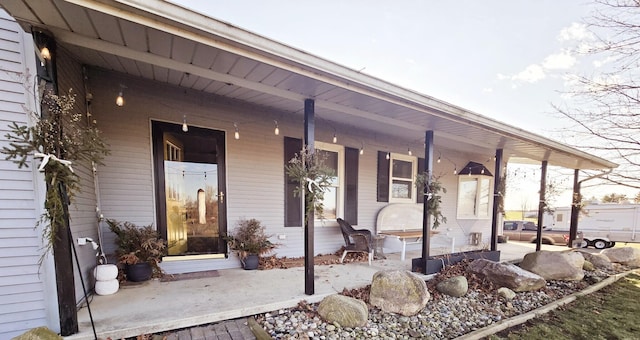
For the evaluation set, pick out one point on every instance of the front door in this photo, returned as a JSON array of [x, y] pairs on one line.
[[190, 188]]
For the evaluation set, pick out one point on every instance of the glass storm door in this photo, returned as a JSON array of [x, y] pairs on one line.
[[190, 186]]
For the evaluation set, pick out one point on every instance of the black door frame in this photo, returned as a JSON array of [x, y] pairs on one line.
[[158, 128]]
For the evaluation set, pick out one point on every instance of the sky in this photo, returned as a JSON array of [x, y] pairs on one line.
[[505, 59]]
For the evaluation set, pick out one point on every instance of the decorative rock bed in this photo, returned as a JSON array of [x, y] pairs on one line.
[[443, 317]]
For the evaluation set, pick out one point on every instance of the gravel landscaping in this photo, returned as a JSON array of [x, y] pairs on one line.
[[444, 317]]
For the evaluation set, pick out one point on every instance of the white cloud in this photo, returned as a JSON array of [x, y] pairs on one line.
[[559, 61], [600, 63], [487, 90], [531, 74], [576, 31]]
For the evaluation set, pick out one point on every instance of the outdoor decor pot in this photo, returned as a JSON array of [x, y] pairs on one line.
[[251, 262], [138, 272], [106, 276]]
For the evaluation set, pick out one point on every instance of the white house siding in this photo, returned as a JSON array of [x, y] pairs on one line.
[[27, 290], [255, 174], [82, 210]]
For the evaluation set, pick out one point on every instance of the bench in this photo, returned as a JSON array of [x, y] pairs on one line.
[[402, 221]]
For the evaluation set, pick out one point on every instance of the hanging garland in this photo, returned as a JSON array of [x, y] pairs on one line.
[[59, 138]]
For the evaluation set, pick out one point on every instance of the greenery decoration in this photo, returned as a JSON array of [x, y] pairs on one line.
[[249, 237], [432, 193], [61, 137], [313, 176]]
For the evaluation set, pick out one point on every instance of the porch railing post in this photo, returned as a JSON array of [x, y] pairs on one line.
[[426, 219]]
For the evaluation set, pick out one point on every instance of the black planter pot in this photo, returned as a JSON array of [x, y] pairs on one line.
[[435, 263], [138, 272], [251, 262]]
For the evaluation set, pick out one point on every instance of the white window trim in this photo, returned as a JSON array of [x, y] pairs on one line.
[[476, 214], [414, 171], [340, 199]]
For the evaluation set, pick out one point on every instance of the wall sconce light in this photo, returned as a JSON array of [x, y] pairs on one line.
[[277, 129], [185, 127], [120, 97], [236, 134]]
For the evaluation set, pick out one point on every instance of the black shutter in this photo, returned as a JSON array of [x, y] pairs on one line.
[[292, 204], [383, 177], [420, 198], [351, 158]]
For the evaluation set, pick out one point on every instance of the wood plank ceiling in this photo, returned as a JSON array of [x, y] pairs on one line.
[[131, 40]]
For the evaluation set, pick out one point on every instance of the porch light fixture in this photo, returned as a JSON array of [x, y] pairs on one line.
[[277, 129], [236, 134], [120, 97], [185, 127]]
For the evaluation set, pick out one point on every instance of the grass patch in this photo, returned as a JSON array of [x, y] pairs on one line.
[[610, 313]]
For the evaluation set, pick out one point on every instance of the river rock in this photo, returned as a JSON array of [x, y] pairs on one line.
[[627, 256], [555, 265], [398, 291], [344, 310], [507, 275], [456, 286], [506, 293], [40, 333], [599, 261]]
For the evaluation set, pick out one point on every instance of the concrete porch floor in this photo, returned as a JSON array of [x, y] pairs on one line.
[[157, 306]]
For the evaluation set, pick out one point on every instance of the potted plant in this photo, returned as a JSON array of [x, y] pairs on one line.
[[140, 250], [249, 241]]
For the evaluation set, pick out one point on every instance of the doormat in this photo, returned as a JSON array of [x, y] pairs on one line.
[[189, 276]]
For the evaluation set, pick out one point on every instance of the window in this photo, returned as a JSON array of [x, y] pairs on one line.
[[510, 226], [333, 156], [402, 171], [559, 217], [474, 196]]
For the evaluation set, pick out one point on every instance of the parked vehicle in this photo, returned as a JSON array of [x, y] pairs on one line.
[[602, 224], [527, 231]]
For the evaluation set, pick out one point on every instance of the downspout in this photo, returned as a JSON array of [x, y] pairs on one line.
[[575, 210]]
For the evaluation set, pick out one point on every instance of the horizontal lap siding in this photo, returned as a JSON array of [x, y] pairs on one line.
[[23, 301]]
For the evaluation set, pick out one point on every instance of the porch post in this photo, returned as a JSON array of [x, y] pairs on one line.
[[497, 198], [309, 137], [575, 208], [541, 204], [426, 219]]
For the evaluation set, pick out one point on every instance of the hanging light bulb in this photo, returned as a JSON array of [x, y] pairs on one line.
[[362, 150], [409, 151], [388, 155], [236, 135], [482, 171], [335, 138], [45, 53], [185, 128], [455, 170], [439, 160], [277, 129], [120, 97]]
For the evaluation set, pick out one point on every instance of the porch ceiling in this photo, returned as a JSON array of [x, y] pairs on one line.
[[158, 40]]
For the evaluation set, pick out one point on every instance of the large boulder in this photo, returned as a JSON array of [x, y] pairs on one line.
[[507, 275], [555, 265], [344, 310], [40, 333], [456, 286], [599, 261], [627, 256], [398, 291]]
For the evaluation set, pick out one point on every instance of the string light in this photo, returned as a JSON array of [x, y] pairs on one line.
[[335, 138], [388, 155], [185, 128], [362, 149], [120, 97], [277, 129], [409, 152], [455, 170], [44, 53], [236, 135]]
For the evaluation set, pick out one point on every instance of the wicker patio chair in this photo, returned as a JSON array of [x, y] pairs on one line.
[[356, 240]]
